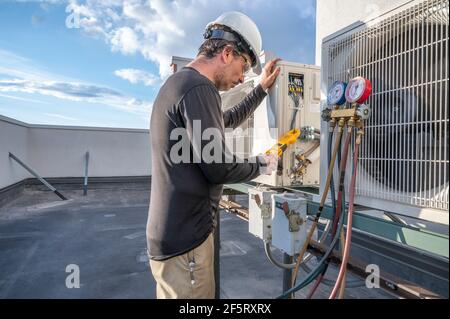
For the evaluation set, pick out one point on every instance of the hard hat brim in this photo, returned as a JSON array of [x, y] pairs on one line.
[[257, 69]]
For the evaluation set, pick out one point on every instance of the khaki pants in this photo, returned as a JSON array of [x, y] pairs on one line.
[[188, 276]]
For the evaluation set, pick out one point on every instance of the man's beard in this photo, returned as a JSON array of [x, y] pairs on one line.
[[220, 82]]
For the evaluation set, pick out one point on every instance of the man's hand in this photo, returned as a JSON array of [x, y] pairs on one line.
[[268, 163], [269, 74]]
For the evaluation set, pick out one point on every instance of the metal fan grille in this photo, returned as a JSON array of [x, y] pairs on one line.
[[404, 156]]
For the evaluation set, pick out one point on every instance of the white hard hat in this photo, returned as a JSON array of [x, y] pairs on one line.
[[242, 26]]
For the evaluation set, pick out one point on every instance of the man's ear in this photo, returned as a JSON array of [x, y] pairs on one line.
[[226, 55]]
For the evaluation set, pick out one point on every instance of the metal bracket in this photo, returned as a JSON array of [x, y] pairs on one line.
[[294, 221], [266, 210], [293, 217], [257, 199]]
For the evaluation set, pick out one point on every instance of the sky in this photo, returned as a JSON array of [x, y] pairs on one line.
[[102, 62]]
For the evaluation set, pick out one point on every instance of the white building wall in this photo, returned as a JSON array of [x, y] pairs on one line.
[[59, 151], [13, 138], [179, 62], [334, 15]]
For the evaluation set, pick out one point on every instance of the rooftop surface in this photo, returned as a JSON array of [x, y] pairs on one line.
[[103, 233]]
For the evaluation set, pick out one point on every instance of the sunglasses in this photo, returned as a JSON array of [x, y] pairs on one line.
[[247, 63]]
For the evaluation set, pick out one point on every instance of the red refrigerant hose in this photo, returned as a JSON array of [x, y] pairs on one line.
[[348, 236]]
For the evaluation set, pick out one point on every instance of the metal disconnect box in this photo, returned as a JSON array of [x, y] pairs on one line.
[[260, 212], [288, 222]]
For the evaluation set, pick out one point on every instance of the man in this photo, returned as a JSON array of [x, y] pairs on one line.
[[185, 195]]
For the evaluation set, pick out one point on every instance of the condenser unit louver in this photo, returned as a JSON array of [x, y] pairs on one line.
[[404, 155]]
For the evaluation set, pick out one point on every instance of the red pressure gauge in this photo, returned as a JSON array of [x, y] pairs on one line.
[[358, 90]]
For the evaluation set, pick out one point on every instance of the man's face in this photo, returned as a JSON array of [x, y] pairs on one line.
[[233, 70]]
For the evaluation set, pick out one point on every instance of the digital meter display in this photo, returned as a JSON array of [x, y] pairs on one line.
[[336, 94], [358, 90]]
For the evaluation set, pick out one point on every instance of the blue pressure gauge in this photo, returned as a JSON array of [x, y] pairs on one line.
[[336, 94]]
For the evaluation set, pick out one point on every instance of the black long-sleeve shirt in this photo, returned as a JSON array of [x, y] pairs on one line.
[[186, 187]]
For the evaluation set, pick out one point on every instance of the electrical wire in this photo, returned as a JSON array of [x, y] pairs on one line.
[[296, 99], [273, 260], [294, 115]]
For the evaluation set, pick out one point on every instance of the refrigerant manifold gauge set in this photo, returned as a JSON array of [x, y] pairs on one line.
[[355, 92]]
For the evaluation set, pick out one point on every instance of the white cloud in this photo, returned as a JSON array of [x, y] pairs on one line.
[[59, 116], [22, 99], [19, 74], [79, 92], [136, 76], [13, 66], [44, 1], [159, 29], [125, 40]]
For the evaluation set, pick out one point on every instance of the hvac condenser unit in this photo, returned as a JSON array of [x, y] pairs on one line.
[[292, 102], [404, 166]]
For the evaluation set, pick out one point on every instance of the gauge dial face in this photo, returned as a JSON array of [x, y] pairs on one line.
[[336, 94], [358, 90]]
